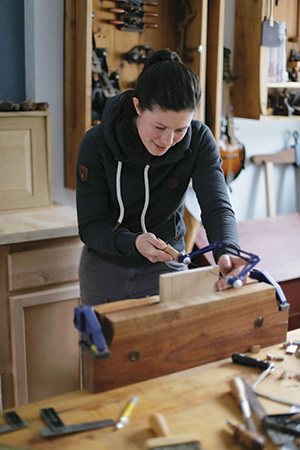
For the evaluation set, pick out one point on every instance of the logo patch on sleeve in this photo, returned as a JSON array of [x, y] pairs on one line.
[[83, 172]]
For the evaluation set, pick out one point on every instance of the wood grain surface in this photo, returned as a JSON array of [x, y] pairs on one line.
[[195, 401]]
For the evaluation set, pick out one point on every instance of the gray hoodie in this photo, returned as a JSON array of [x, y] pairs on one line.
[[122, 190]]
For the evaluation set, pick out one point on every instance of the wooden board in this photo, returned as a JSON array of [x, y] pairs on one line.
[[187, 331], [186, 285], [38, 223]]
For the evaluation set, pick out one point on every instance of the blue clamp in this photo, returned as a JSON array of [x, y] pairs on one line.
[[266, 277], [93, 340]]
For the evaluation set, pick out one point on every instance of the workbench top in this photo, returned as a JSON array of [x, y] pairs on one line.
[[193, 401], [40, 223]]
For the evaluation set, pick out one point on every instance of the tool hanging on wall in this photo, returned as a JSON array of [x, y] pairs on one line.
[[104, 85], [132, 11], [270, 30], [132, 24], [186, 15], [138, 54], [137, 2]]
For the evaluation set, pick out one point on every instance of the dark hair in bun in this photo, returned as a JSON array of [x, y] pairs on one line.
[[168, 83]]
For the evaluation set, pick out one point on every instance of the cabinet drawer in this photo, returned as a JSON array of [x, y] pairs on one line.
[[45, 266]]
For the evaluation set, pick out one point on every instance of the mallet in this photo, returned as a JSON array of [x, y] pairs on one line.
[[166, 442]]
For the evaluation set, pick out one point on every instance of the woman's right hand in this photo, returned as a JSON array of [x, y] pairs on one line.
[[152, 248]]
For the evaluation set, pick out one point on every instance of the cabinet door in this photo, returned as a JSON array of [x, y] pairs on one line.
[[25, 153], [251, 60], [45, 351]]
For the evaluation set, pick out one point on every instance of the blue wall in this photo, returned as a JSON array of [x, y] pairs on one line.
[[12, 54]]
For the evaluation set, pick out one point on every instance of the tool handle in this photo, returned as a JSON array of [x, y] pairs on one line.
[[238, 389], [249, 440], [171, 251], [240, 358], [159, 425], [271, 20]]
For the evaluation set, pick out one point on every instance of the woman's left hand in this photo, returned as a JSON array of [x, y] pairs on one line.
[[230, 266]]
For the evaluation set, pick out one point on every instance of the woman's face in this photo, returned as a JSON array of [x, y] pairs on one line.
[[159, 130]]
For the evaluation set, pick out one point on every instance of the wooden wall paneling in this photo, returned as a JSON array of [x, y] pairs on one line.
[[77, 81], [196, 39], [5, 352], [249, 60], [214, 79], [119, 42], [47, 367]]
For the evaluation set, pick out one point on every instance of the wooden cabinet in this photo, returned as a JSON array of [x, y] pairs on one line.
[[251, 60], [25, 154], [200, 49], [38, 292]]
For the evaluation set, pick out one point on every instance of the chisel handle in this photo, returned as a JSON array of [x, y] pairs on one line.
[[238, 389], [249, 440]]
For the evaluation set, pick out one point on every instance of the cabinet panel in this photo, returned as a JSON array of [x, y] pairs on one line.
[[44, 266], [45, 351], [25, 153]]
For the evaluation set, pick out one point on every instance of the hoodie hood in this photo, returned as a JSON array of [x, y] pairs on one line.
[[122, 136]]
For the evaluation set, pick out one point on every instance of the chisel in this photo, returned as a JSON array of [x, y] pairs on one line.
[[277, 437], [238, 390]]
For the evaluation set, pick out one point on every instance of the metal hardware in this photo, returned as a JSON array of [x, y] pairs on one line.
[[259, 322], [134, 355]]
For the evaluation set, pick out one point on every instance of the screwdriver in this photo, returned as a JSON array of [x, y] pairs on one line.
[[238, 390], [243, 436]]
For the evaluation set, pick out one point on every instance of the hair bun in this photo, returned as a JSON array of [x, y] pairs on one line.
[[160, 56]]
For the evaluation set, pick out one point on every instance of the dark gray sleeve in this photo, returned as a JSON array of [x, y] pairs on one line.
[[217, 214]]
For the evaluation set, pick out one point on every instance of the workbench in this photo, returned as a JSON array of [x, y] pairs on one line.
[[196, 400]]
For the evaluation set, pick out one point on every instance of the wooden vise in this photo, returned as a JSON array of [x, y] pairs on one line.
[[189, 324]]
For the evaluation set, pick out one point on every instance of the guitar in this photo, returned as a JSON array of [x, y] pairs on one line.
[[232, 151]]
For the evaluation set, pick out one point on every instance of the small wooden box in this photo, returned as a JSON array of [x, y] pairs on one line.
[[25, 155], [188, 325]]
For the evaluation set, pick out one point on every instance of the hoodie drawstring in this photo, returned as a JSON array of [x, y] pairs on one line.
[[120, 201], [147, 198]]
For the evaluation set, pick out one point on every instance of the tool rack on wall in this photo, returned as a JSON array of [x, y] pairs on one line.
[[180, 25]]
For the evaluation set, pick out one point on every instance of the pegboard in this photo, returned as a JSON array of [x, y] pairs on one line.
[[118, 41], [182, 26]]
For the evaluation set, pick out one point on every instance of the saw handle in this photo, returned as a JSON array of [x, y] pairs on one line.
[[171, 251]]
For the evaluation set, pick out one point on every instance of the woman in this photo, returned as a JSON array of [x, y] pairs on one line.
[[132, 175]]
